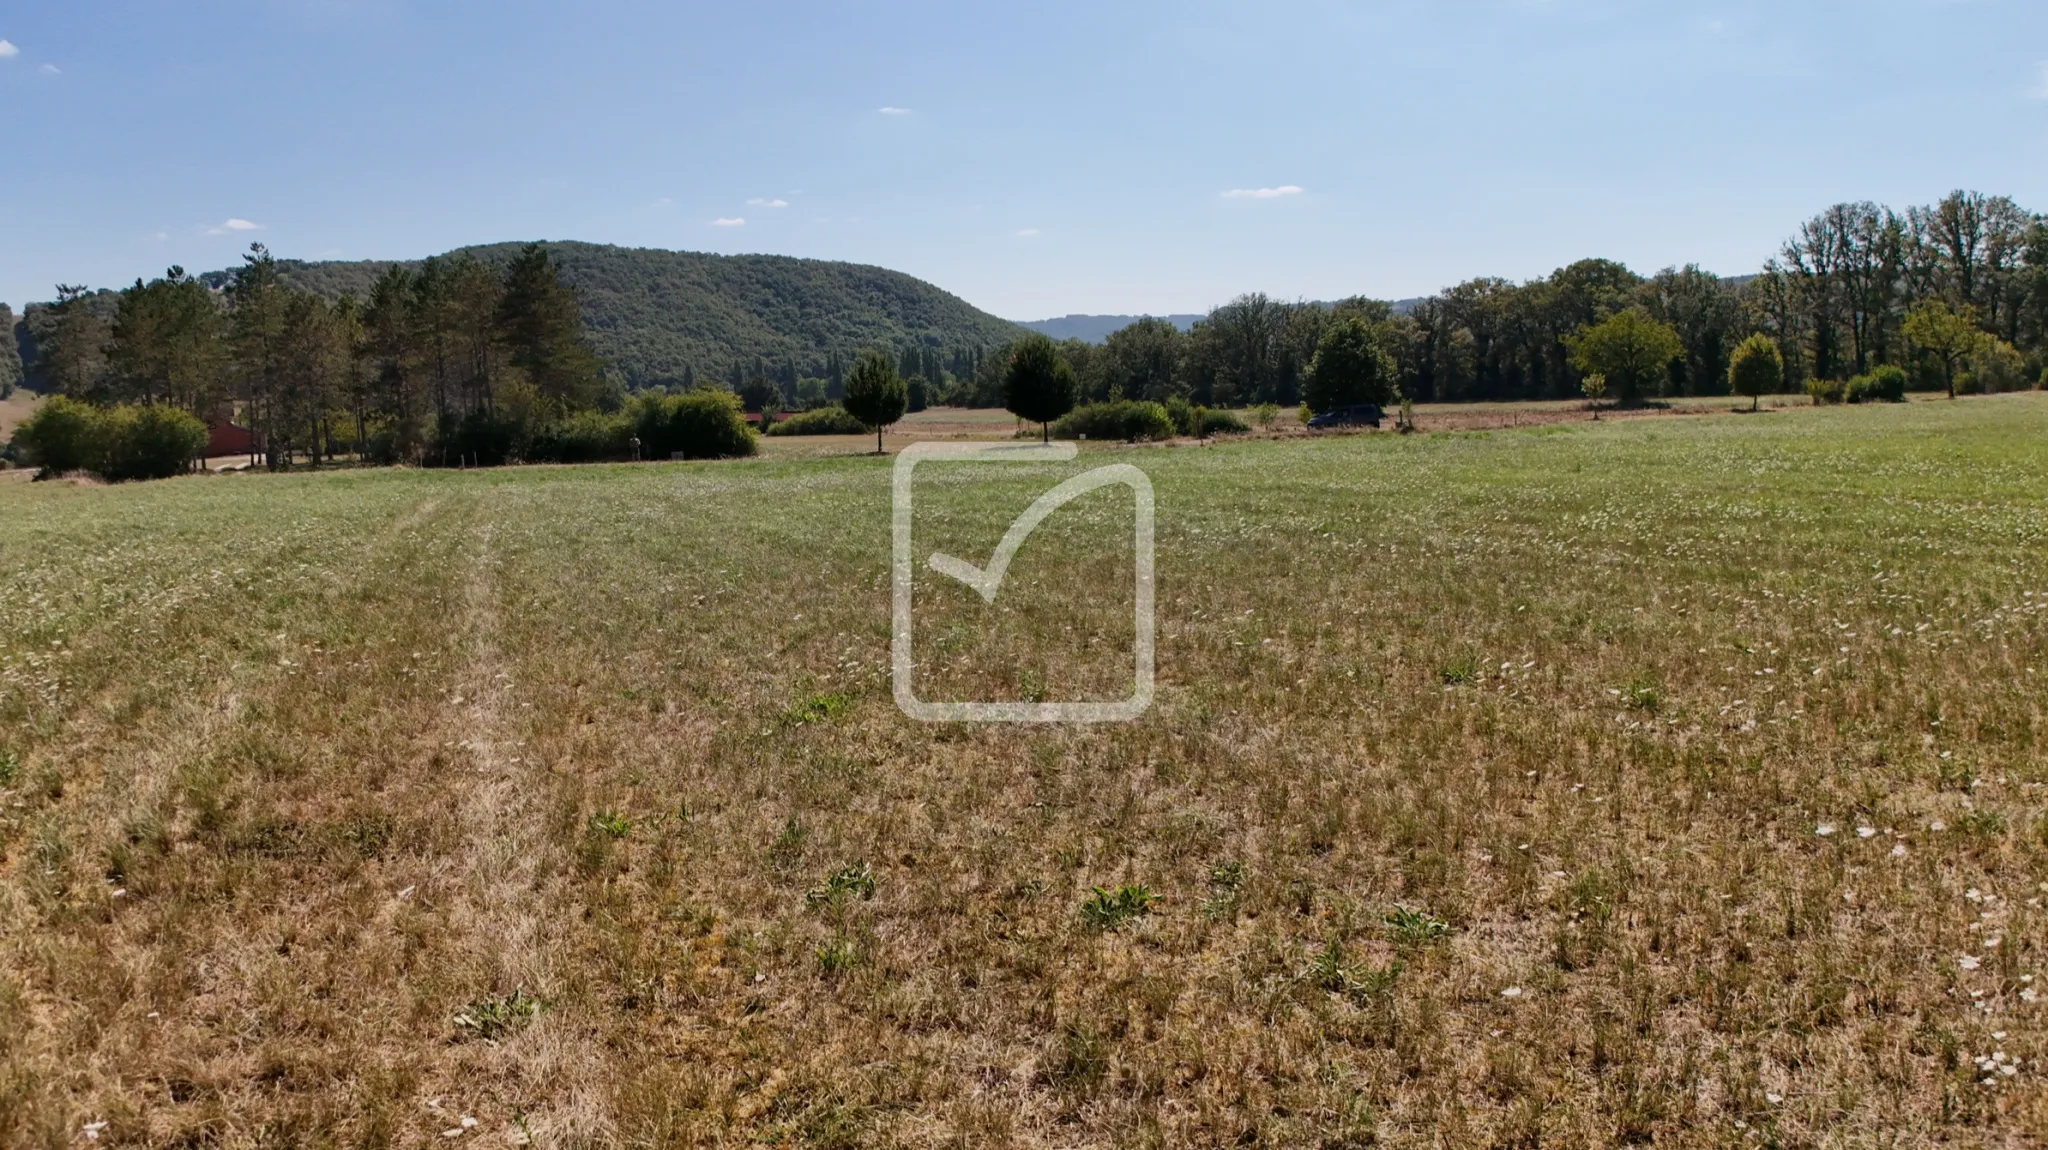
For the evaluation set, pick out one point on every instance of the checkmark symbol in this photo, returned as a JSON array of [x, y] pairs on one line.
[[987, 581]]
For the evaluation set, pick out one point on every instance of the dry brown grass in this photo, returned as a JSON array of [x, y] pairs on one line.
[[322, 781], [15, 408]]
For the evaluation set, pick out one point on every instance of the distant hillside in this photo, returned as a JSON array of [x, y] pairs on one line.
[[652, 312], [1096, 328]]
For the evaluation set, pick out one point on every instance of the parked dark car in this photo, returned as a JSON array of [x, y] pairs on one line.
[[1362, 414]]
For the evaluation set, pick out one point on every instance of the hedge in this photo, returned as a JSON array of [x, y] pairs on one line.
[[151, 441], [834, 420]]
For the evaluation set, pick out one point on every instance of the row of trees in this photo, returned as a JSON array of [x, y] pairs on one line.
[[436, 365], [1955, 294]]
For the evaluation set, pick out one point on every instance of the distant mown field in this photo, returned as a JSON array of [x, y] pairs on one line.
[[1672, 780]]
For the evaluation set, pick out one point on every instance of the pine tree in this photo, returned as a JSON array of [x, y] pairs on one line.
[[540, 320], [1038, 383], [166, 344], [71, 358], [10, 354]]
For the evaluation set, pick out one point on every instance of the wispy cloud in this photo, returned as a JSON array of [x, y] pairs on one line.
[[729, 222], [233, 224], [892, 110], [1027, 232], [8, 51], [1262, 193], [50, 70], [761, 203], [2040, 89]]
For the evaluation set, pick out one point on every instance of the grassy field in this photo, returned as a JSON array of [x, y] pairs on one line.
[[1659, 779]]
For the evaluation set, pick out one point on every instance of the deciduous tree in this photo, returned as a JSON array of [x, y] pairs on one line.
[[875, 394], [1350, 367], [1946, 333], [1632, 350], [1755, 368]]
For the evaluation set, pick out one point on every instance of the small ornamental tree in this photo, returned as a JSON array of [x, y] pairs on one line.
[[1595, 388], [1039, 384], [1350, 367], [1951, 336], [1755, 368], [875, 394], [1630, 348]]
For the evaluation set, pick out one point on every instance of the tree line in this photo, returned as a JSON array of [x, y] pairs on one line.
[[456, 361], [1954, 294]]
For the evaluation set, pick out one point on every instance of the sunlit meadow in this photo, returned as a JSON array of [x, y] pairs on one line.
[[1672, 780]]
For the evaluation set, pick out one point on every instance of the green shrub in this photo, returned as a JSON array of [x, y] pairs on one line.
[[1125, 419], [1182, 413], [1995, 367], [834, 420], [1216, 421], [585, 437], [479, 439], [1883, 384], [701, 424], [1888, 383], [155, 441], [63, 435], [150, 441], [1826, 390]]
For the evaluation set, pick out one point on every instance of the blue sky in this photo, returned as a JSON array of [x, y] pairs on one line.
[[1036, 159]]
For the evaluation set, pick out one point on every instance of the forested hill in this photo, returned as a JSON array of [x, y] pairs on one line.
[[1096, 328], [651, 313]]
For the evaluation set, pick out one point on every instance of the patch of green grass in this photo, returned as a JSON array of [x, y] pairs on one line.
[[856, 880], [1408, 927], [495, 1015], [819, 709], [1107, 909]]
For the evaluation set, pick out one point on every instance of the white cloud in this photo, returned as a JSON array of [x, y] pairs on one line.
[[895, 111], [729, 222], [8, 50], [761, 203], [1028, 232], [51, 70], [233, 224], [1262, 193]]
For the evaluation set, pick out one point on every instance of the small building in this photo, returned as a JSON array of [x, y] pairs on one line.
[[226, 437]]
